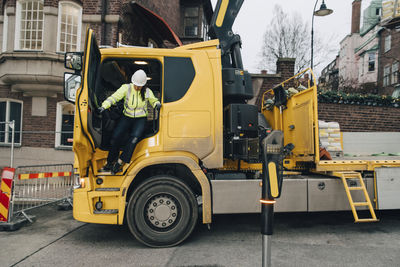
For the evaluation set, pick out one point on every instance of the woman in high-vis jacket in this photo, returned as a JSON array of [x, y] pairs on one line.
[[136, 97]]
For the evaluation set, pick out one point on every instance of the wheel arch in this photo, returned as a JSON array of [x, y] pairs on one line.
[[181, 166]]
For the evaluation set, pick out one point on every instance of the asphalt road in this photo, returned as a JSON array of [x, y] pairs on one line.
[[306, 239]]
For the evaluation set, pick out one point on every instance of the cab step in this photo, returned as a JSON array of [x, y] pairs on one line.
[[111, 211], [108, 189]]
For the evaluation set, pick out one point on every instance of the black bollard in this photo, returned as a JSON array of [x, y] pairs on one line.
[[272, 149]]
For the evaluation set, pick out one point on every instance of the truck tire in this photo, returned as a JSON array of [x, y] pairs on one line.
[[162, 212]]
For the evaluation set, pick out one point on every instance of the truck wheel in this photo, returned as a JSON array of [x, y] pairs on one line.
[[162, 212]]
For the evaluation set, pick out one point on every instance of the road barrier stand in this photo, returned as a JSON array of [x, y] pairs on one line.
[[7, 176], [31, 187]]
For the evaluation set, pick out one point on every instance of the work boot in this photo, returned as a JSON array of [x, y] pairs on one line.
[[117, 167], [106, 167]]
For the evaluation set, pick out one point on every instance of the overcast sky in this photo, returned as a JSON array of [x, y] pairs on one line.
[[255, 15]]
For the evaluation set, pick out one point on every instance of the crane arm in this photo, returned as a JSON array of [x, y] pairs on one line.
[[221, 28]]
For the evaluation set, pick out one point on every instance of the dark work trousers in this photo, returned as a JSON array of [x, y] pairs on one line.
[[135, 128]]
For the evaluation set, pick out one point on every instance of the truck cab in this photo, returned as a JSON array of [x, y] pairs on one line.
[[181, 140]]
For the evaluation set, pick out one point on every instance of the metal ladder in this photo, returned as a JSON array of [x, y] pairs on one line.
[[356, 175]]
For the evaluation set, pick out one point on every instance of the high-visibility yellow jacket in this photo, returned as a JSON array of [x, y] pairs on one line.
[[134, 106]]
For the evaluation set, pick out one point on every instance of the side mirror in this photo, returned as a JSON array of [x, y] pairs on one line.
[[72, 82], [73, 60]]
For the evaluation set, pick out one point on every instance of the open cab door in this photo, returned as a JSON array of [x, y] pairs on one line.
[[85, 135], [103, 73]]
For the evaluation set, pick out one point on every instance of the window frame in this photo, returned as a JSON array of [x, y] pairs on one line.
[[386, 75], [79, 32], [388, 43], [57, 140], [191, 17], [395, 73], [370, 61], [17, 37], [7, 118]]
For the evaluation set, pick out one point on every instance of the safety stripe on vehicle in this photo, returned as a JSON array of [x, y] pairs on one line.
[[26, 176]]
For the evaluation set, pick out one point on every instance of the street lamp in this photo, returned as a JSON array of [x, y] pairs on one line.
[[323, 11]]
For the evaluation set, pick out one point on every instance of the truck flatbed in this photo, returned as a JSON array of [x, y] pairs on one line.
[[362, 163]]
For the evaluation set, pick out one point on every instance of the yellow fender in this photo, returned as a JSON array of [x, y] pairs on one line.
[[187, 159]]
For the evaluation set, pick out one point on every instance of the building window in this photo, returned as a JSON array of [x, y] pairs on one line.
[[371, 61], [395, 73], [343, 52], [396, 93], [29, 25], [10, 110], [386, 76], [191, 21], [69, 27], [5, 31], [388, 43], [204, 29], [64, 124]]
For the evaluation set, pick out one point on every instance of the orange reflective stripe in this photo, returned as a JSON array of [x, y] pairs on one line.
[[26, 176]]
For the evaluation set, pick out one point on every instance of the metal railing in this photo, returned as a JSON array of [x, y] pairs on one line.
[[39, 185]]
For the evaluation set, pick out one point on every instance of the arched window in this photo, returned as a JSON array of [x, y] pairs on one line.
[[69, 27], [64, 124], [29, 25], [10, 110]]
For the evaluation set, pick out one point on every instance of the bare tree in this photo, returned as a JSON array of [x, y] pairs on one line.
[[289, 36]]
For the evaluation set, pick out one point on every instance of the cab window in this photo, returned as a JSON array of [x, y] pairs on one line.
[[113, 73]]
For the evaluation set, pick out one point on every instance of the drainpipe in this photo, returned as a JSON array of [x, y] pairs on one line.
[[103, 21]]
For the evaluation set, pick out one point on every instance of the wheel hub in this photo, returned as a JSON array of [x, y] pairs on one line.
[[161, 211]]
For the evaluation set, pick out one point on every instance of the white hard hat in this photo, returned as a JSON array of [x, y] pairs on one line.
[[139, 78]]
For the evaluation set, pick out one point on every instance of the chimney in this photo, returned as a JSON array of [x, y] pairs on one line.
[[356, 17], [285, 66]]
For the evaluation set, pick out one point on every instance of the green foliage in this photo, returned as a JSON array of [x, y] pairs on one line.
[[358, 99]]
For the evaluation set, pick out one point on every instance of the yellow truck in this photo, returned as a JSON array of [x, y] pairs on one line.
[[202, 153]]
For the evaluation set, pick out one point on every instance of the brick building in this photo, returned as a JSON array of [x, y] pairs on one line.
[[368, 61], [35, 35], [389, 50], [329, 79], [358, 55]]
